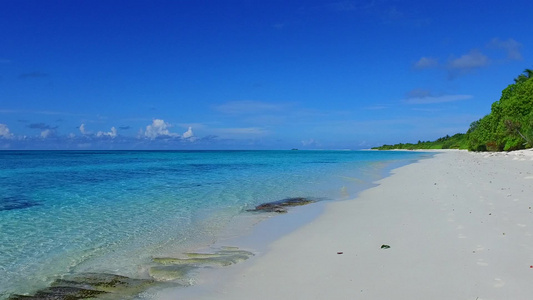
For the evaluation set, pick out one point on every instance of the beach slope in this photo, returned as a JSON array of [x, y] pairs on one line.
[[459, 226]]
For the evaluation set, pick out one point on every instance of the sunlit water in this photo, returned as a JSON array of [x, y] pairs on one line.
[[68, 212]]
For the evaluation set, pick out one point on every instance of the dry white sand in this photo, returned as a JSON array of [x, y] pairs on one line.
[[459, 226]]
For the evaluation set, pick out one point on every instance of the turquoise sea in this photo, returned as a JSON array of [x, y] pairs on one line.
[[70, 212]]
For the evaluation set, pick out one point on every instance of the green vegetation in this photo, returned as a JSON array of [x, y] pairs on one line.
[[457, 141], [509, 126]]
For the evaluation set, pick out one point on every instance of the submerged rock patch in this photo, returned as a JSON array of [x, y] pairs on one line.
[[16, 202], [110, 283], [177, 269], [112, 286], [61, 292], [281, 205], [90, 286], [220, 258], [176, 273]]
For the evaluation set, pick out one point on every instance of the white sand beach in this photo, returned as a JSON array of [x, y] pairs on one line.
[[459, 226]]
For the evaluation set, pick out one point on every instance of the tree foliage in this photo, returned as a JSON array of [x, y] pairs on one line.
[[457, 141], [509, 125]]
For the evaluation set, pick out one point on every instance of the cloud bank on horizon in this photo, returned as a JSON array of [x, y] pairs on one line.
[[252, 75]]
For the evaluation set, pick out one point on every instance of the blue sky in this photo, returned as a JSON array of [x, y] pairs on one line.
[[252, 74]]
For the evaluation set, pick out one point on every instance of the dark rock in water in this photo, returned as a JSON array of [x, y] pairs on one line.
[[61, 293], [16, 202], [269, 207], [90, 285], [110, 283], [280, 206]]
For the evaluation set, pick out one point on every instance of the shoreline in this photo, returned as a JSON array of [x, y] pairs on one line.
[[256, 232], [459, 226], [153, 259]]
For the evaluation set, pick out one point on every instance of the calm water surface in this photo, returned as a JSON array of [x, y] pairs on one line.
[[64, 212]]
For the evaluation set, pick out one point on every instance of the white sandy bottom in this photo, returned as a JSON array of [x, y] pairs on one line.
[[459, 226]]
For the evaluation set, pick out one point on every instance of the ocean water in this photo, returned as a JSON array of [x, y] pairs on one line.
[[68, 212]]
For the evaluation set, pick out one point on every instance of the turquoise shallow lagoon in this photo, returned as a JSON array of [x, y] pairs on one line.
[[69, 212]]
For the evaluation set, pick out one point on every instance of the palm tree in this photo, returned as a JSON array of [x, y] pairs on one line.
[[521, 78], [528, 73]]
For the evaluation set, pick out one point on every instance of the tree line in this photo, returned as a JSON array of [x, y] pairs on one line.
[[508, 126]]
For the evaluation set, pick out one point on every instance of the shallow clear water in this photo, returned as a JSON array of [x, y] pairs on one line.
[[65, 212]]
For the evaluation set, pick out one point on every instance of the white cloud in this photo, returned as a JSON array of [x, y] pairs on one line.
[[510, 46], [46, 133], [158, 128], [4, 132], [111, 134], [426, 63], [474, 59], [82, 129], [310, 143], [188, 133], [437, 99]]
